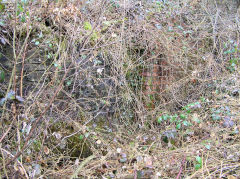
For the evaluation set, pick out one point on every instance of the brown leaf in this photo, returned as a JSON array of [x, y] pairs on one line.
[[148, 162], [28, 159], [46, 150], [231, 177]]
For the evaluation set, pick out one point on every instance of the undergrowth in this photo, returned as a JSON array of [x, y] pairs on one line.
[[119, 89]]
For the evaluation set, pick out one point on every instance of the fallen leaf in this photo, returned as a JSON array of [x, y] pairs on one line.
[[28, 159], [46, 150], [148, 162]]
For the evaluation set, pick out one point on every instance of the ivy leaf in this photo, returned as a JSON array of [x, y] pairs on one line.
[[208, 147], [178, 126], [183, 116], [37, 43], [189, 111], [185, 123], [159, 120], [198, 166], [199, 160], [199, 163], [69, 83], [173, 118]]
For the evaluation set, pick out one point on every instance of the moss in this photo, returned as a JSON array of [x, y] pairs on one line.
[[79, 147], [75, 146]]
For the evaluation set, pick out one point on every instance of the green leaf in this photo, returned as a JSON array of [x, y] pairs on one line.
[[81, 137], [199, 163], [20, 8], [189, 111], [2, 76], [149, 105], [178, 126], [23, 19], [87, 26], [198, 166], [165, 117], [69, 83], [188, 158], [208, 147], [37, 43], [186, 123], [173, 118], [151, 97], [202, 99], [159, 120], [183, 116], [199, 160]]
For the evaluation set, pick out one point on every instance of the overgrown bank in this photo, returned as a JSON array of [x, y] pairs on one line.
[[119, 89]]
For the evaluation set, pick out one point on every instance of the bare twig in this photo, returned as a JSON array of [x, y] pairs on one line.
[[39, 118], [21, 81], [35, 124], [8, 153], [180, 171], [75, 174]]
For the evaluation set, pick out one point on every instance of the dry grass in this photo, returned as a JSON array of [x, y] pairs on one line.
[[120, 89]]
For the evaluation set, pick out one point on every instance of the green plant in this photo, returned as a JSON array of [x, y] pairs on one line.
[[22, 13], [233, 64], [198, 163], [2, 6], [232, 50], [2, 75], [219, 112], [182, 119]]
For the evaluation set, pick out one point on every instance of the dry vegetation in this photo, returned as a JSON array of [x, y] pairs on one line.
[[119, 89]]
